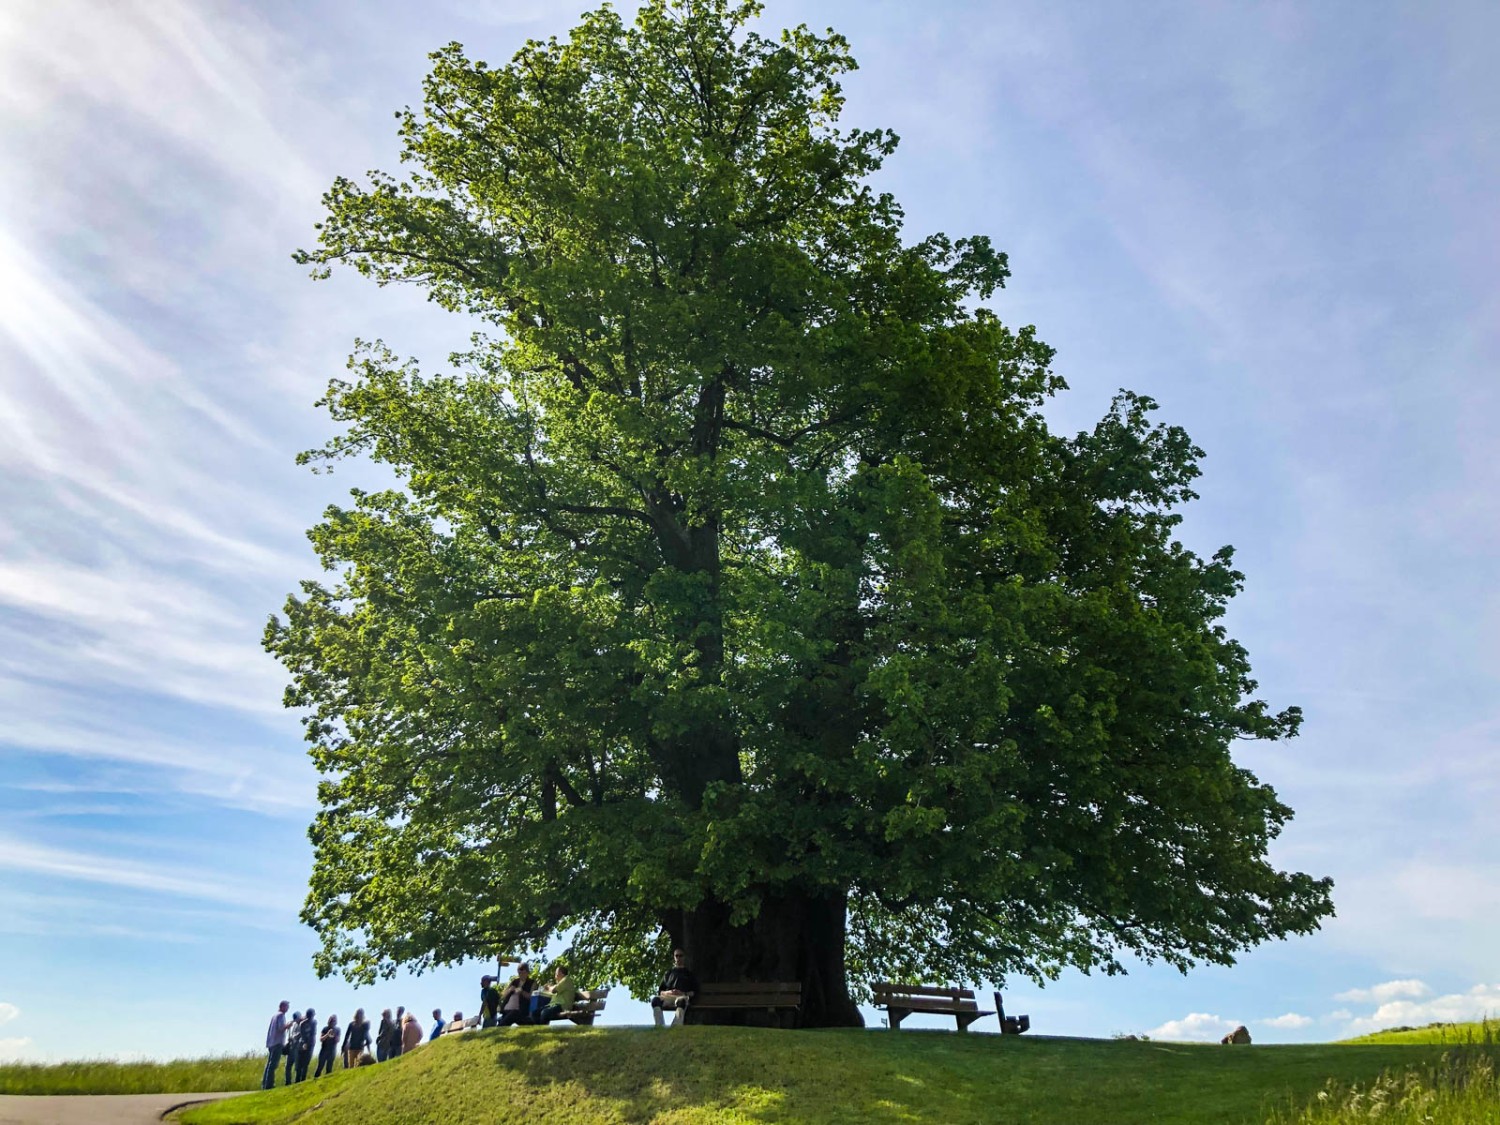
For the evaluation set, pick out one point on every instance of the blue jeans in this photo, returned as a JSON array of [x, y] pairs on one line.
[[268, 1080]]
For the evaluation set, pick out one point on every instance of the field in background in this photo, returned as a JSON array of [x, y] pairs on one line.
[[102, 1076], [1484, 1033]]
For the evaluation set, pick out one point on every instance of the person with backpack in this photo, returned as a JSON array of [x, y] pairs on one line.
[[356, 1038], [328, 1047]]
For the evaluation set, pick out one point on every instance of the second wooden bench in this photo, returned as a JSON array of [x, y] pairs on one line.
[[902, 1000]]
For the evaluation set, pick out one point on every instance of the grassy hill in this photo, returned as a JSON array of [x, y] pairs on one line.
[[1484, 1032], [697, 1075]]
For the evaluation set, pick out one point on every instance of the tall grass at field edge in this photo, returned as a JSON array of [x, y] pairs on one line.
[[107, 1076]]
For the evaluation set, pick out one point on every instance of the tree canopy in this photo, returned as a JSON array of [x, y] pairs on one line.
[[733, 591]]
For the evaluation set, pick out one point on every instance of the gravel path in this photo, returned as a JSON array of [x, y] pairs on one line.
[[93, 1109]]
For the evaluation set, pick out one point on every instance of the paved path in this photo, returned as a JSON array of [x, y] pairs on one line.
[[93, 1109]]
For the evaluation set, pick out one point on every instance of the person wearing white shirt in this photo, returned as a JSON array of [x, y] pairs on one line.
[[275, 1044]]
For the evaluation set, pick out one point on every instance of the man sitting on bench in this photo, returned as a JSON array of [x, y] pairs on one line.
[[549, 1004], [677, 989]]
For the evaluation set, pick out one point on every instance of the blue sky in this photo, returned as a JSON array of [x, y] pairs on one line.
[[1277, 219]]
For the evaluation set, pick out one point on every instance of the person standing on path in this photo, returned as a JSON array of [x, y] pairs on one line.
[[275, 1044], [328, 1047]]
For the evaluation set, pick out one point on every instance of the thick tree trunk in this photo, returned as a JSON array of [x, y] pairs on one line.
[[795, 938]]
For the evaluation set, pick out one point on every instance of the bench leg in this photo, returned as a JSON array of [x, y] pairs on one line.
[[896, 1015], [964, 1019]]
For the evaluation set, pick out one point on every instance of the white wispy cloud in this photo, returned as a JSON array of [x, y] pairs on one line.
[[16, 1048], [1381, 993], [8, 1012], [210, 886], [1291, 1021]]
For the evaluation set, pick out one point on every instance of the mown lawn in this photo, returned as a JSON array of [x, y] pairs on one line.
[[747, 1076], [101, 1076]]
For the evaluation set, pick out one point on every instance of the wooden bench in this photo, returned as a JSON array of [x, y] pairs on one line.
[[779, 1000], [455, 1026], [589, 1004], [1010, 1025], [902, 1000]]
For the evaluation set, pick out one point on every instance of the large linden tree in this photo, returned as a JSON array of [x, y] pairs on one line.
[[733, 593]]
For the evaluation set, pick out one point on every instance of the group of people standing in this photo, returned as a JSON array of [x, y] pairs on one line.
[[290, 1041]]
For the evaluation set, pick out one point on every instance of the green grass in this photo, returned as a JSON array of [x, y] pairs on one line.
[[101, 1076], [685, 1076], [1463, 1088], [1485, 1032]]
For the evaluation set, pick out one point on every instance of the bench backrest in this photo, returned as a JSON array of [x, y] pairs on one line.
[[590, 1000], [885, 991], [749, 994]]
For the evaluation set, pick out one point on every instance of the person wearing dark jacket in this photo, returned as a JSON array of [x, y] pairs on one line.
[[307, 1034], [356, 1038], [676, 991], [328, 1047], [398, 1042], [293, 1041], [384, 1037], [489, 1002], [515, 1001]]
